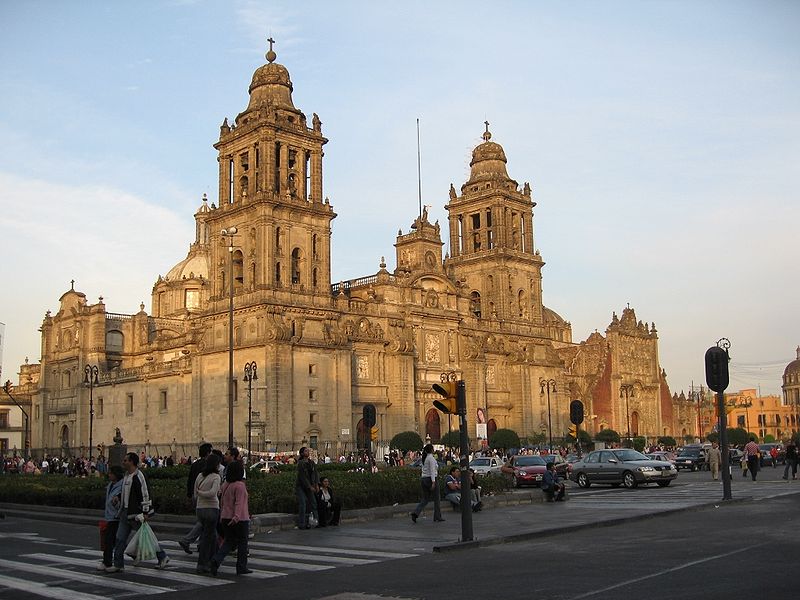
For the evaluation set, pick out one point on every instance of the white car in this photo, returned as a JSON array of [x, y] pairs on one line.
[[483, 465], [265, 465]]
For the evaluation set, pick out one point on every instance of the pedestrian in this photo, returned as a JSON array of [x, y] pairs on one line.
[[111, 516], [235, 518], [136, 509], [206, 491], [328, 504], [753, 455], [791, 460], [305, 489], [553, 489], [196, 468], [429, 485], [231, 454], [773, 455], [714, 460]]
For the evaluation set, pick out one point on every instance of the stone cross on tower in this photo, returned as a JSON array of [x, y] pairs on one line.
[[487, 134], [271, 56]]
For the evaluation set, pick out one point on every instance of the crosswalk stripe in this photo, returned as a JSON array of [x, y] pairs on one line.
[[84, 577], [48, 591], [188, 563], [378, 554], [298, 566], [154, 573]]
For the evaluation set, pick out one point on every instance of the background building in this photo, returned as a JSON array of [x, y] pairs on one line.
[[326, 349]]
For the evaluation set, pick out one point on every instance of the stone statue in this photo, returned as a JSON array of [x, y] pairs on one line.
[[452, 192], [316, 123]]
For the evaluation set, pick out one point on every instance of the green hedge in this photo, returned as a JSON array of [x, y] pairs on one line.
[[269, 492]]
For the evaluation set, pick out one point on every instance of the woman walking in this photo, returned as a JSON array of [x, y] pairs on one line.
[[206, 492], [429, 485], [235, 517]]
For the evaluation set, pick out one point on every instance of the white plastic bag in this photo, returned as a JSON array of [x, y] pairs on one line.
[[148, 543], [133, 546]]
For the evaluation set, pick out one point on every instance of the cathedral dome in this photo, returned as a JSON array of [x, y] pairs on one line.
[[488, 160], [794, 366], [193, 266], [271, 84]]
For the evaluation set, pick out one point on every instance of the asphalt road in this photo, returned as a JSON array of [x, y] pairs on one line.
[[744, 549]]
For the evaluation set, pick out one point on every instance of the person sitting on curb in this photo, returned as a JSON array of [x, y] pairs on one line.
[[551, 487], [452, 487], [328, 504]]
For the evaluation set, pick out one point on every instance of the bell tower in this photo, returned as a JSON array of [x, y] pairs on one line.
[[270, 190], [491, 239]]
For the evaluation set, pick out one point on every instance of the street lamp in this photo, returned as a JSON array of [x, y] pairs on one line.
[[548, 385], [229, 233], [700, 398], [627, 390], [7, 390], [746, 402], [250, 375], [90, 373]]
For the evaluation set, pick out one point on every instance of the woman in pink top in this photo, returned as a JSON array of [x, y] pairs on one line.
[[235, 519]]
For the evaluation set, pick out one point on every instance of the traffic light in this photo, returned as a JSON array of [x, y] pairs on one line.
[[717, 369], [449, 392], [373, 434], [576, 412], [573, 431]]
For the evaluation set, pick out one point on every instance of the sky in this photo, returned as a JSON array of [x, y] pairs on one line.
[[661, 139]]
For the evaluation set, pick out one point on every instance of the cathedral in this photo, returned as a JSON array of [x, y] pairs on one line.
[[323, 350]]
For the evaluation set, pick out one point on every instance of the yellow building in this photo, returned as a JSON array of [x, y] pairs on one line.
[[326, 349], [762, 415]]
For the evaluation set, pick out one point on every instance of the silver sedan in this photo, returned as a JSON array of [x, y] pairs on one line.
[[621, 466]]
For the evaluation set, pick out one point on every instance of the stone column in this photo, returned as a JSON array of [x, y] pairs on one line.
[[316, 176]]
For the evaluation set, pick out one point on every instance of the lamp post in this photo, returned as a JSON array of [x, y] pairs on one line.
[[7, 390], [90, 373], [250, 375], [700, 398], [229, 233], [627, 390], [548, 385]]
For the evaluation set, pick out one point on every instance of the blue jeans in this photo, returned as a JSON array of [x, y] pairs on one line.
[[207, 517], [306, 503], [123, 533], [427, 494]]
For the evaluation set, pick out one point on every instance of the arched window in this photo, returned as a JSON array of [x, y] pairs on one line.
[[491, 427], [521, 303], [65, 436], [277, 273], [314, 278], [278, 241], [297, 256], [243, 186], [114, 341], [475, 304], [634, 423]]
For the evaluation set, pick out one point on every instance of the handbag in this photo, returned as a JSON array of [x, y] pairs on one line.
[[102, 525]]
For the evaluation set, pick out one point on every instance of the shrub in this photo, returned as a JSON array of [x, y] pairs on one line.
[[738, 436], [769, 438], [639, 443], [667, 441], [406, 441], [607, 436], [584, 438], [451, 439], [504, 438]]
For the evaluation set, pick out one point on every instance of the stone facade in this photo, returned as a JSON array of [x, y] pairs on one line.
[[325, 350]]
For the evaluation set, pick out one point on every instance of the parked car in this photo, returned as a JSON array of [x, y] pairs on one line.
[[483, 465], [562, 466], [661, 455], [692, 458], [265, 466], [528, 469], [766, 457], [735, 456], [621, 466]]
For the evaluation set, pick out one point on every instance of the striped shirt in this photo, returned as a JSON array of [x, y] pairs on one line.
[[751, 449]]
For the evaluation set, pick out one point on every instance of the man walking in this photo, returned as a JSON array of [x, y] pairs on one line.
[[714, 460], [197, 467], [791, 460], [751, 451], [136, 509]]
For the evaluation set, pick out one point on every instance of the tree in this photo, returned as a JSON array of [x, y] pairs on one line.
[[504, 438], [534, 439], [584, 438], [738, 436], [712, 437], [639, 442], [406, 440], [609, 436], [769, 438], [451, 439], [667, 441]]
